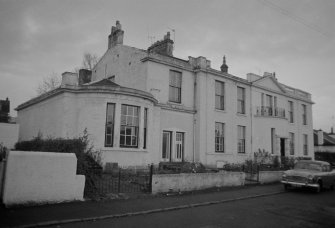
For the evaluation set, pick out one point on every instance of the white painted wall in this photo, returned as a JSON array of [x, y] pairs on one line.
[[9, 134], [208, 115], [266, 177], [195, 181], [46, 117], [262, 125], [125, 64], [41, 177]]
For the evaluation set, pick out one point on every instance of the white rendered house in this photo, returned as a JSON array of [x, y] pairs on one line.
[[147, 106]]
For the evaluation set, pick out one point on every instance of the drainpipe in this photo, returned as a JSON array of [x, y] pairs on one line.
[[194, 115], [251, 110]]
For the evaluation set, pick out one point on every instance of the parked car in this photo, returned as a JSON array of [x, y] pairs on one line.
[[311, 174]]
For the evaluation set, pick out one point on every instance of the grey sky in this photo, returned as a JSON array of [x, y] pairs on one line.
[[294, 38]]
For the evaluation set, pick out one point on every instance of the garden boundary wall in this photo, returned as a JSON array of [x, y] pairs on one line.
[[41, 177], [266, 177], [195, 181]]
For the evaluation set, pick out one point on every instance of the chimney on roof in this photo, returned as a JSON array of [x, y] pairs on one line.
[[116, 36], [267, 74], [224, 67], [85, 76], [320, 137], [69, 79], [163, 47]]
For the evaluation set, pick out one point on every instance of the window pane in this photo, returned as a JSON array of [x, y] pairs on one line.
[[122, 140], [108, 140]]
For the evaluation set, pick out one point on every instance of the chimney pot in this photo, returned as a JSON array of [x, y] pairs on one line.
[[224, 66]]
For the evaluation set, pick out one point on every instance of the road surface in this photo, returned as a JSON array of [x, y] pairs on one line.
[[296, 208]]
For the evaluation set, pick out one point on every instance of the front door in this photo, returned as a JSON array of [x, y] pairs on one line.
[[282, 147], [179, 152]]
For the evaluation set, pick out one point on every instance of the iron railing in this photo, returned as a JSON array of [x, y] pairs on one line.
[[270, 111]]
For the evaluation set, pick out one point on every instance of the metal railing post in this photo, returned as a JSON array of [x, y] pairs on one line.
[[150, 178], [119, 182]]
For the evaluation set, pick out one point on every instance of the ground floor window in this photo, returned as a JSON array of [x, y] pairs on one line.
[[219, 137], [305, 143], [166, 145], [129, 126], [291, 143], [145, 128], [179, 145], [109, 128], [241, 139]]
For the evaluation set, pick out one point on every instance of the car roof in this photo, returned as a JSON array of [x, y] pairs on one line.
[[314, 162]]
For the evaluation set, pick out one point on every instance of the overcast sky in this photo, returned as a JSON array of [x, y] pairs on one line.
[[294, 38]]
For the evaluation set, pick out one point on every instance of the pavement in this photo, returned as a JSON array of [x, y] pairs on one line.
[[133, 205]]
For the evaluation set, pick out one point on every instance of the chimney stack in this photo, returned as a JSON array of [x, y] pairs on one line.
[[85, 76], [320, 137], [224, 67], [116, 36], [69, 79], [163, 47]]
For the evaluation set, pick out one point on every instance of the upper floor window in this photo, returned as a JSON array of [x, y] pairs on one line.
[[129, 126], [304, 114], [240, 100], [219, 95], [291, 135], [175, 86], [290, 111], [109, 128], [219, 137], [241, 139]]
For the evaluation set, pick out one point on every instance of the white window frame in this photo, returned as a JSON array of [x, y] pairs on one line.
[[241, 132], [219, 95], [129, 126], [241, 101], [175, 85], [219, 137]]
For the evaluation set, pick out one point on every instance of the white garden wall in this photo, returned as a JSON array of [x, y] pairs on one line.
[[195, 181], [41, 177], [270, 176]]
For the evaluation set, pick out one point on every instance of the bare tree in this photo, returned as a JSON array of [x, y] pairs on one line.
[[89, 60], [49, 83], [53, 80]]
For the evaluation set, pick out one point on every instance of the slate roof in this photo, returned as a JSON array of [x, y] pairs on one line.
[[327, 140]]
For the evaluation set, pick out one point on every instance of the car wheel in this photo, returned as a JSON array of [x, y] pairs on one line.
[[286, 187], [332, 186], [318, 189]]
